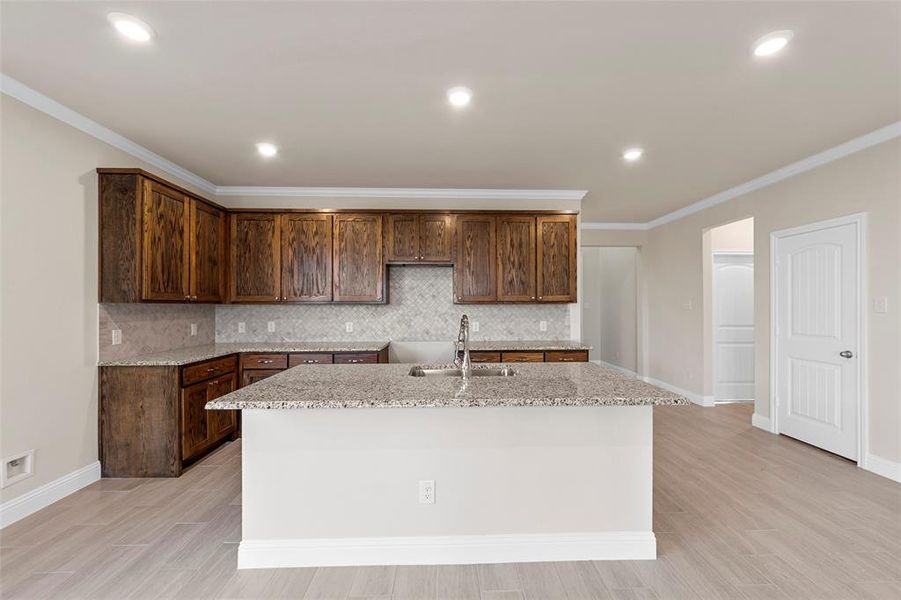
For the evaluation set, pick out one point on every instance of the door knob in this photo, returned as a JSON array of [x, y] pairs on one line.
[[846, 354]]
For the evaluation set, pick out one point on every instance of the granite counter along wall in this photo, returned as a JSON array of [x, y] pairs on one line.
[[420, 309]]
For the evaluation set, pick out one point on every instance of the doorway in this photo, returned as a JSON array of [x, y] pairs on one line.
[[729, 312], [817, 334], [610, 305]]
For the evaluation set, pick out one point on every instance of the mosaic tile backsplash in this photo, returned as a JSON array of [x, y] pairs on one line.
[[420, 308], [148, 328]]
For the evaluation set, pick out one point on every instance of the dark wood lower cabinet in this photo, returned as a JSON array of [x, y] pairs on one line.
[[530, 356], [152, 419], [250, 376]]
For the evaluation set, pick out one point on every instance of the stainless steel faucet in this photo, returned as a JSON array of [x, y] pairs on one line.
[[463, 363]]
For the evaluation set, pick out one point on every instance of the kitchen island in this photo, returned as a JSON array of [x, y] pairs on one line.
[[368, 465]]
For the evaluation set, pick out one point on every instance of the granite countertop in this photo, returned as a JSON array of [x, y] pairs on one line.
[[524, 346], [390, 386], [184, 356]]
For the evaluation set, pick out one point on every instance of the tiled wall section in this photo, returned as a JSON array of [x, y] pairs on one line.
[[420, 308], [154, 327]]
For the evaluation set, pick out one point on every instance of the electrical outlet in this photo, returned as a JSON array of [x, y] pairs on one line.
[[349, 326], [880, 305], [689, 304], [193, 328], [270, 326], [427, 491], [242, 327], [475, 326], [117, 337], [542, 325]]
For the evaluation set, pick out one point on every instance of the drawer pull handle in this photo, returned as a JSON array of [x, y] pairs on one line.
[[265, 362], [212, 370], [566, 359], [213, 382], [311, 362]]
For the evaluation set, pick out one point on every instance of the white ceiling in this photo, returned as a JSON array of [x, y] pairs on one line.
[[353, 93]]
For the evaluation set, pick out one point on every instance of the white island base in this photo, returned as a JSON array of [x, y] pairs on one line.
[[512, 484]]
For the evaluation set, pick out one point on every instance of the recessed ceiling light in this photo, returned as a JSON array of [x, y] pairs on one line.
[[131, 27], [633, 154], [459, 96], [267, 149], [772, 43]]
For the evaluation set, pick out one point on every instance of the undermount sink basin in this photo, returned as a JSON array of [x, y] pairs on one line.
[[424, 372]]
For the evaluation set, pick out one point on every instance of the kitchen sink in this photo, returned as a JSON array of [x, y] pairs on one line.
[[452, 372]]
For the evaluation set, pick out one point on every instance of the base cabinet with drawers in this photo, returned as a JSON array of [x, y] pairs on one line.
[[258, 366], [152, 419], [486, 356]]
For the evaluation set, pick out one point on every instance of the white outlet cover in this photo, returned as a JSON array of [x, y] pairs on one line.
[[23, 469], [475, 325], [193, 328], [117, 337], [427, 491], [242, 327], [270, 326], [349, 326], [542, 325], [880, 305]]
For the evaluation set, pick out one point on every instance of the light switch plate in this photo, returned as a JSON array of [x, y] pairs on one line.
[[880, 305]]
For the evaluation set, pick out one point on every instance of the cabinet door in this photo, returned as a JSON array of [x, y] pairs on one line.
[[557, 258], [195, 425], [515, 259], [221, 422], [166, 249], [306, 257], [255, 256], [436, 236], [402, 238], [207, 253], [254, 375], [359, 269], [474, 268]]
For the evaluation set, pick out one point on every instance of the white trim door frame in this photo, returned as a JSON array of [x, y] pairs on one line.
[[860, 359]]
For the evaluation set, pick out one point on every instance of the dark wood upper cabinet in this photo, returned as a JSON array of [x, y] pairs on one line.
[[359, 271], [516, 258], [475, 263], [436, 237], [166, 256], [415, 238], [557, 246], [255, 274], [208, 253], [306, 257], [402, 238]]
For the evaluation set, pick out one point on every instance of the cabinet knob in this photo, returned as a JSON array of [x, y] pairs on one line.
[[533, 297], [540, 297], [211, 370], [194, 298]]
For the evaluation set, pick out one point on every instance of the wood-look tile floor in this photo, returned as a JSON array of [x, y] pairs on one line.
[[738, 513]]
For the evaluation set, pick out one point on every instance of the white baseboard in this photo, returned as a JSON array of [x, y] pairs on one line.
[[447, 550], [692, 396], [762, 422], [884, 467], [604, 363], [38, 498]]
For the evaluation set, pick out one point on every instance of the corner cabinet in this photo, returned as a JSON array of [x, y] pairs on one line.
[[359, 270], [158, 243]]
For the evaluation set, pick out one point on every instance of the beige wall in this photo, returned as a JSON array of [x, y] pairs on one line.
[[613, 237], [869, 181], [48, 386], [737, 236]]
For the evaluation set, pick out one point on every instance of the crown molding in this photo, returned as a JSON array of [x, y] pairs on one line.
[[360, 192], [21, 92], [616, 226], [857, 144]]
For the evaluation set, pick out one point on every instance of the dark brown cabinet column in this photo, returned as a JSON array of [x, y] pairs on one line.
[[515, 258], [359, 271], [255, 257], [475, 264], [306, 257], [557, 247], [166, 252]]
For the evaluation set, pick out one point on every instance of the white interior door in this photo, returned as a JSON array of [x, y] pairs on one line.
[[733, 327], [817, 337]]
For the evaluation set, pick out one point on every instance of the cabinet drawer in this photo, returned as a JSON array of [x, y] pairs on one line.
[[482, 357], [264, 361], [207, 370], [522, 357], [359, 357], [566, 356], [309, 359]]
